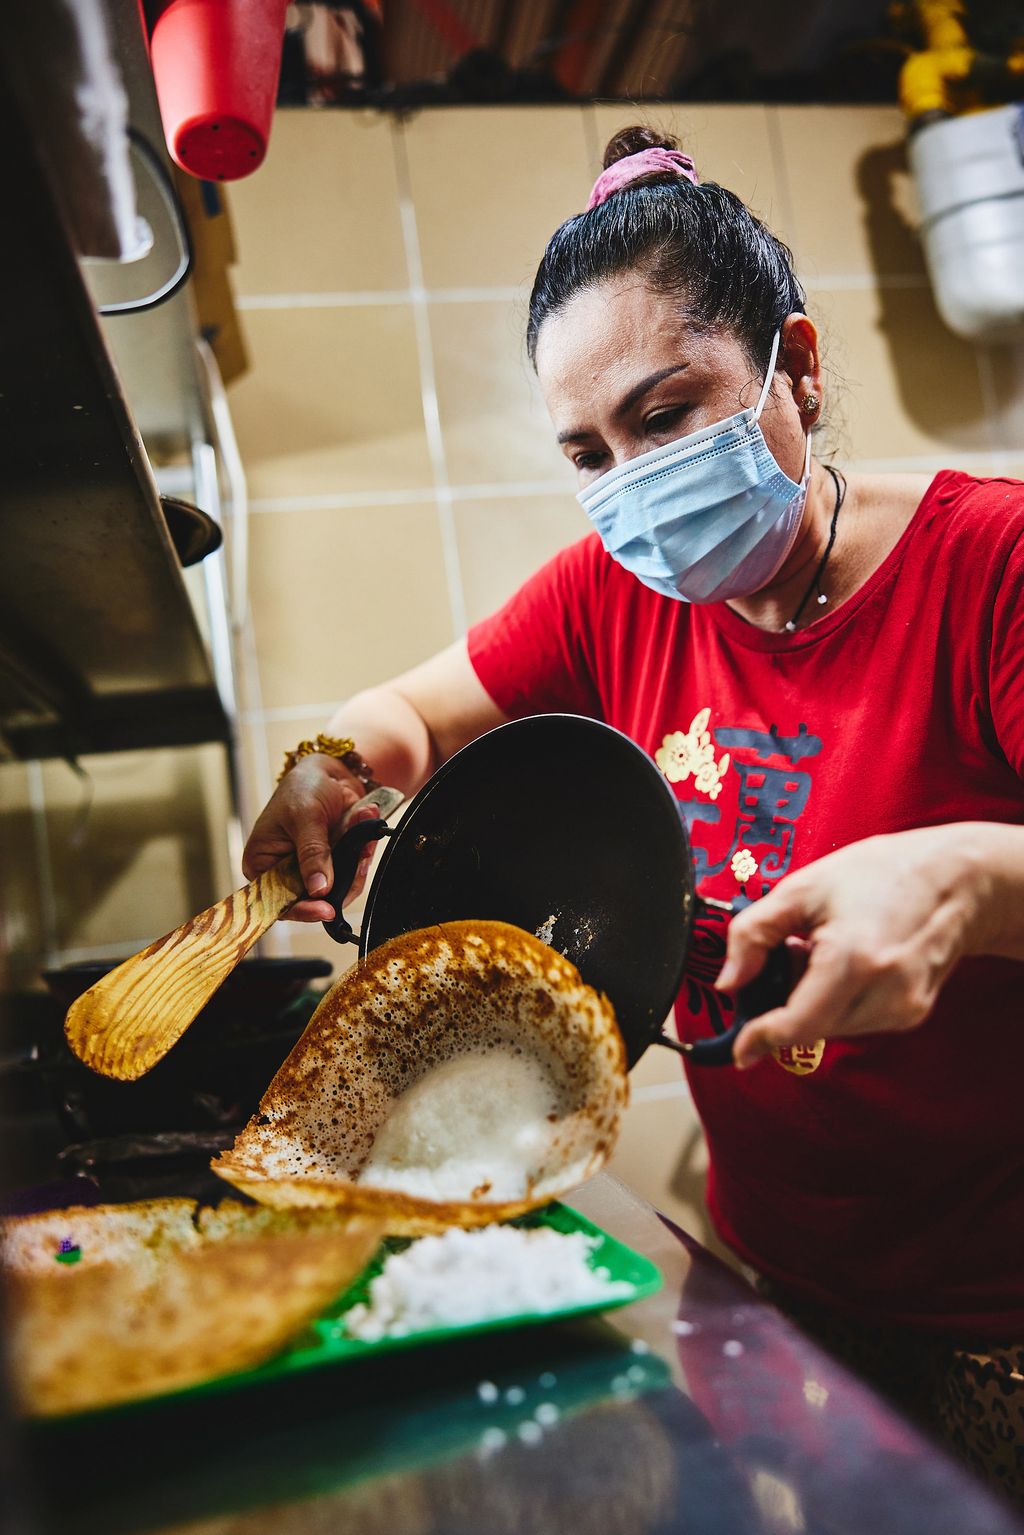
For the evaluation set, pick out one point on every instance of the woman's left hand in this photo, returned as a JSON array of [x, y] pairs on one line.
[[883, 922]]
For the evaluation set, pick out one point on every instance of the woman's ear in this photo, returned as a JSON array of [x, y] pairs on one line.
[[800, 359]]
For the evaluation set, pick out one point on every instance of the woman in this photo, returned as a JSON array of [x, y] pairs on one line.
[[828, 670]]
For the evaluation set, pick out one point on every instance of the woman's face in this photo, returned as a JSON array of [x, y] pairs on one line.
[[622, 372]]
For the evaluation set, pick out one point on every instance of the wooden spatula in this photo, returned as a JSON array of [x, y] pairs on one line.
[[133, 1015]]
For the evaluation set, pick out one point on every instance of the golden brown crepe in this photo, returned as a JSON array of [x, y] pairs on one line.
[[414, 1006], [163, 1295]]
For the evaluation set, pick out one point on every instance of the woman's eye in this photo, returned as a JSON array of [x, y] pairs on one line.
[[665, 420]]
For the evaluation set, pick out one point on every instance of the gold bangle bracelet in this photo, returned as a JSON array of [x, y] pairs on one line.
[[341, 747]]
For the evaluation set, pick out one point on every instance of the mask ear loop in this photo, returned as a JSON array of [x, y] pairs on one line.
[[766, 387], [769, 377]]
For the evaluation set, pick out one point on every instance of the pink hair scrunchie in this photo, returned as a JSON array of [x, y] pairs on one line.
[[630, 168]]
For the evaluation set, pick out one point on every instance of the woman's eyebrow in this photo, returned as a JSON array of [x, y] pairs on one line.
[[639, 390], [629, 399]]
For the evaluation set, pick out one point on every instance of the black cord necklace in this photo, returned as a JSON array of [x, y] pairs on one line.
[[815, 585]]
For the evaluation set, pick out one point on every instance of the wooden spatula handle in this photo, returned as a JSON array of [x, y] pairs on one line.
[[132, 1016]]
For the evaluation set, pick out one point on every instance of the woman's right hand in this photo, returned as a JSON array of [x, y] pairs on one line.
[[304, 816], [307, 808]]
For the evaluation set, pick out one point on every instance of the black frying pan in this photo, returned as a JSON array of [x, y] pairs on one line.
[[565, 827]]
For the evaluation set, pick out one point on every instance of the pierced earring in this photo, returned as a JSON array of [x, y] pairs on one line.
[[810, 403]]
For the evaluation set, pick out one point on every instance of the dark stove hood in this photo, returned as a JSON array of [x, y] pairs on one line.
[[99, 645]]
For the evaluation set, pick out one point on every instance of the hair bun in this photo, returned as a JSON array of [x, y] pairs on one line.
[[631, 141]]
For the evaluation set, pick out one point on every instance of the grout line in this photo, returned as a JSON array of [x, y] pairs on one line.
[[990, 401], [44, 862], [494, 490], [505, 294], [253, 710], [355, 299], [862, 282], [654, 1092], [525, 489], [279, 940], [375, 298], [592, 146], [499, 295], [286, 712], [956, 458], [344, 500], [777, 154], [428, 385]]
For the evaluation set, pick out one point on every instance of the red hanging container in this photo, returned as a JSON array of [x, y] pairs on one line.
[[216, 64]]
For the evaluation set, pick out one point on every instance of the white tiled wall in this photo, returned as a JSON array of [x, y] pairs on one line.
[[383, 523]]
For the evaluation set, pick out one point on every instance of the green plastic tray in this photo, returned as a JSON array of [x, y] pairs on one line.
[[324, 1341]]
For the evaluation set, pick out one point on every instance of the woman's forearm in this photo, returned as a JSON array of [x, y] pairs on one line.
[[992, 856], [390, 734]]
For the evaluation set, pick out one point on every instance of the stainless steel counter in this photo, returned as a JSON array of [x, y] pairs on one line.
[[700, 1410]]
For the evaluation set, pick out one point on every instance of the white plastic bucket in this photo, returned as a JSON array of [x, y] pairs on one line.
[[969, 173]]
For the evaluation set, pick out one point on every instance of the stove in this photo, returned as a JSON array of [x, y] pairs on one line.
[[75, 1137]]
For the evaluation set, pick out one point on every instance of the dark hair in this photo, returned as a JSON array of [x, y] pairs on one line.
[[700, 242]]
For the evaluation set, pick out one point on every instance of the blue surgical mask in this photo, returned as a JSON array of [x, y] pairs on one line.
[[704, 518]]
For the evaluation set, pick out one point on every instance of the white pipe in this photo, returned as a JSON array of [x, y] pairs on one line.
[[227, 446], [215, 586]]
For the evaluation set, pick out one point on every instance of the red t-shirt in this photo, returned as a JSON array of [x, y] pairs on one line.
[[886, 1178]]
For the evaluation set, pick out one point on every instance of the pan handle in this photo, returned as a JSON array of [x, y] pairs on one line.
[[771, 988], [347, 852]]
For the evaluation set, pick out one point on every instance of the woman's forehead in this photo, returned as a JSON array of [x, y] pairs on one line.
[[609, 337], [610, 317]]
